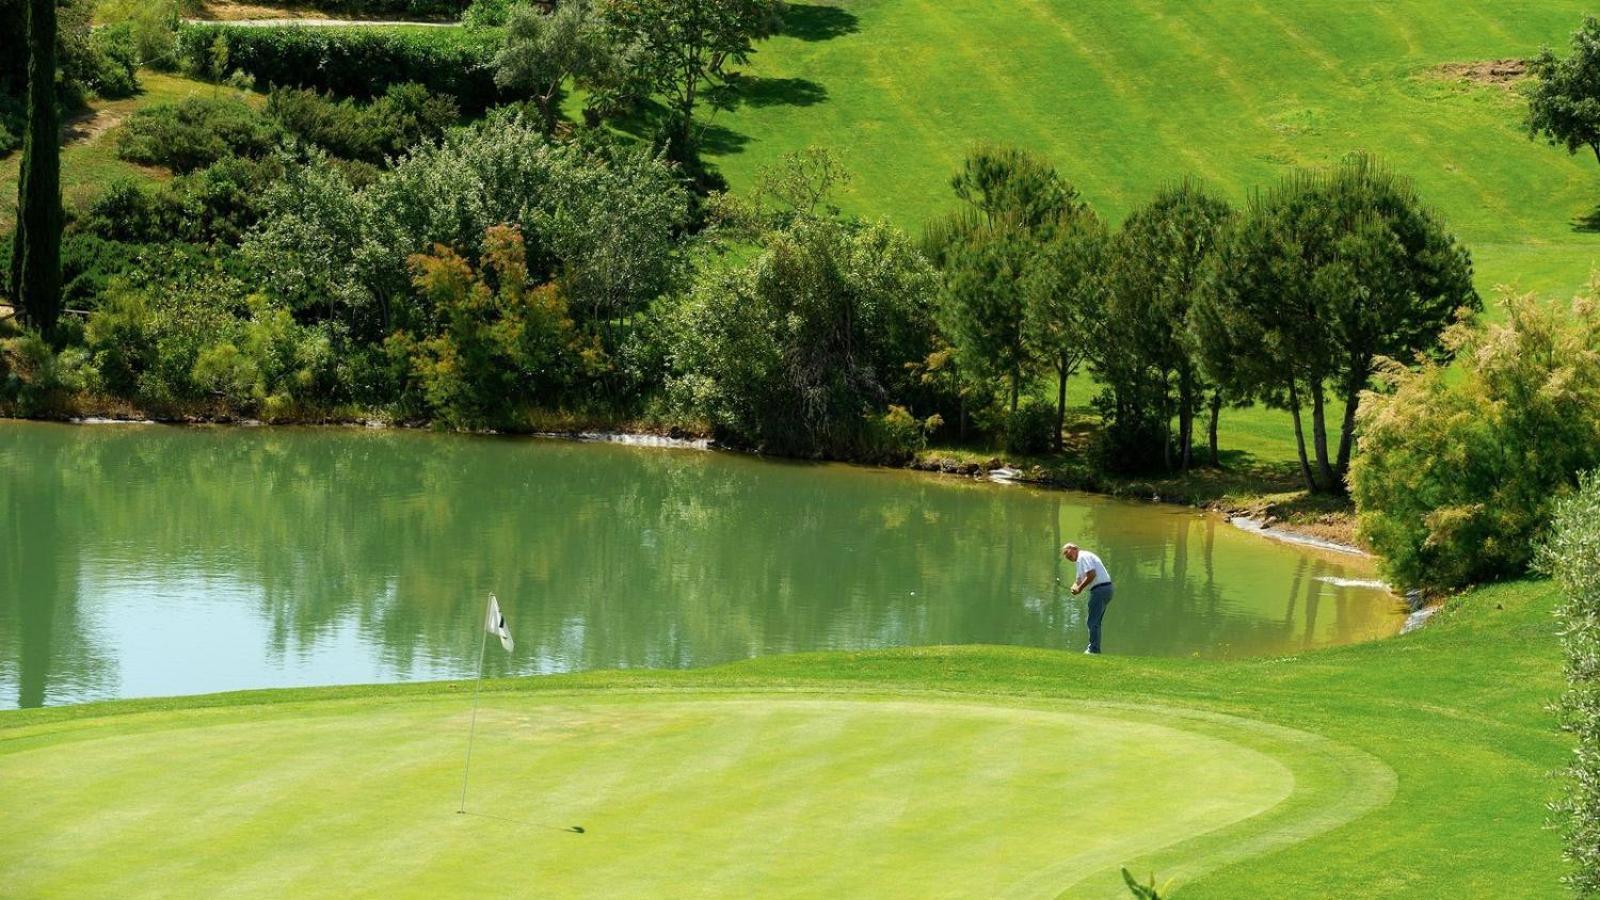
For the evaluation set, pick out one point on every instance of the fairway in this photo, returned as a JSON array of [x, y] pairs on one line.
[[680, 794], [1124, 97]]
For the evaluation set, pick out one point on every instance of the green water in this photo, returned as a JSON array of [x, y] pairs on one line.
[[148, 560]]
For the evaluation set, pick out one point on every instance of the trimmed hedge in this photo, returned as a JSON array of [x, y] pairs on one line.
[[395, 9], [351, 62]]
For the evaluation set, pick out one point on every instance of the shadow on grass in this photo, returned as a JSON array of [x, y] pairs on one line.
[[650, 118], [815, 22], [1588, 223]]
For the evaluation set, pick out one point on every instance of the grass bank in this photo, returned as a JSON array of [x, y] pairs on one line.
[[1127, 97], [89, 160], [1407, 767]]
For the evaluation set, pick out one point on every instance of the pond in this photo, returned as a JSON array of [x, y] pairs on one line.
[[144, 560]]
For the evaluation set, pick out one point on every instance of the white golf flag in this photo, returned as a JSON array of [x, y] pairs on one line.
[[495, 624]]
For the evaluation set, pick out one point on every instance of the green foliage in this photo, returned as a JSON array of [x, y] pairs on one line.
[[147, 336], [1326, 275], [405, 116], [216, 204], [1571, 555], [1460, 468], [1032, 429], [1014, 202], [1011, 184], [352, 62], [37, 379], [545, 50], [195, 133], [1065, 299], [1145, 350], [492, 13], [1564, 96], [503, 344], [680, 48], [798, 350], [36, 243], [115, 55], [150, 28], [895, 437], [604, 223]]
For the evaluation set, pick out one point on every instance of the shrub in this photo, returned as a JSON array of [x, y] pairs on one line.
[[896, 436], [1570, 556], [39, 380], [351, 62], [1460, 467], [503, 343], [795, 351], [605, 222], [115, 58], [405, 116], [489, 13], [149, 332], [195, 133], [1032, 428]]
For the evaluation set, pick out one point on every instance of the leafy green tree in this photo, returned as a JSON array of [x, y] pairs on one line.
[[545, 49], [1000, 182], [501, 343], [1327, 276], [1564, 97], [1460, 466], [1158, 266], [1013, 202], [1064, 297], [36, 251], [1569, 556], [802, 349], [983, 307], [679, 48]]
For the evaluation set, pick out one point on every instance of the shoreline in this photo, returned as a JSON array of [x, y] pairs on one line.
[[994, 470]]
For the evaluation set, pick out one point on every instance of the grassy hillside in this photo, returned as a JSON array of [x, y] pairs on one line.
[[89, 157], [1124, 96], [1414, 766]]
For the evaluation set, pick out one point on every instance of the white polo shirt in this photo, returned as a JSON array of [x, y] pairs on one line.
[[1088, 562]]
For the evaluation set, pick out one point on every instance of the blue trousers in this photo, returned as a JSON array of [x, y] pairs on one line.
[[1099, 599]]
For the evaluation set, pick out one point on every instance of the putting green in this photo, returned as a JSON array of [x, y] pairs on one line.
[[680, 793]]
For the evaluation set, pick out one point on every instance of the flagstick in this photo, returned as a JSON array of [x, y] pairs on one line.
[[473, 728]]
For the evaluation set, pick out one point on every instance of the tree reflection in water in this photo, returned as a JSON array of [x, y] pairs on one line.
[[140, 560]]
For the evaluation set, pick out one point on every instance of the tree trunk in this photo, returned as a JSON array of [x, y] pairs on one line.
[[36, 253], [1319, 434], [1347, 431], [1300, 436], [1185, 418], [1016, 387], [1216, 414], [1061, 404], [1166, 425]]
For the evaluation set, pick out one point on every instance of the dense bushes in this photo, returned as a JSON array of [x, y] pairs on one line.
[[501, 345], [1459, 468], [217, 203], [405, 116], [1572, 557], [350, 62], [801, 350], [604, 223], [195, 133]]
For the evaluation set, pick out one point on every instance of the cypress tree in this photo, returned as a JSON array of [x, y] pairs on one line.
[[36, 253]]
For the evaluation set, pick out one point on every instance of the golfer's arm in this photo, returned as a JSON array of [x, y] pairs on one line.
[[1082, 581]]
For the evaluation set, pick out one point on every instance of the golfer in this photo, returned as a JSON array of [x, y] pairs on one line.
[[1092, 574]]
